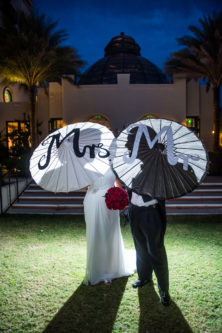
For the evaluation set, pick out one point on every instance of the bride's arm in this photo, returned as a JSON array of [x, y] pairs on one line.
[[117, 183]]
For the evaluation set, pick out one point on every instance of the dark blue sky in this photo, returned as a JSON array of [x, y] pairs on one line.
[[154, 25]]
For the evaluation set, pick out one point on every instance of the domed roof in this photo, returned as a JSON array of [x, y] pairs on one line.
[[122, 55]]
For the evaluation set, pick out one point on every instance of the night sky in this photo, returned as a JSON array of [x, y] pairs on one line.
[[154, 25]]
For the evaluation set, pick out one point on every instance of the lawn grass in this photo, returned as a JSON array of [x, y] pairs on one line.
[[42, 265]]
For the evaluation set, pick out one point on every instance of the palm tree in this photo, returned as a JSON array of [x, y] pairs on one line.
[[202, 58], [31, 54]]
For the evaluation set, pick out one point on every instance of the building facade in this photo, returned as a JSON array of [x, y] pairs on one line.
[[120, 88]]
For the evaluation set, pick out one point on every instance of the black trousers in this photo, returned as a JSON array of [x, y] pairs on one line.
[[148, 228]]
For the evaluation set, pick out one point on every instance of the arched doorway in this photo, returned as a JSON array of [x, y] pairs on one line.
[[100, 119], [148, 116]]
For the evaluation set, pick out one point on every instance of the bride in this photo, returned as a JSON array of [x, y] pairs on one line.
[[106, 257]]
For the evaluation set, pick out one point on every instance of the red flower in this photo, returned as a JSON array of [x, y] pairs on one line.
[[116, 198]]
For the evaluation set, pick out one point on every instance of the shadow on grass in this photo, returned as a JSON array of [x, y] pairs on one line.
[[90, 309], [155, 318]]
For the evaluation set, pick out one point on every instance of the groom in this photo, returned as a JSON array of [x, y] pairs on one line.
[[148, 224], [147, 217]]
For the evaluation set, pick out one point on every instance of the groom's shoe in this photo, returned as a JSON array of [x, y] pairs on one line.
[[141, 283], [164, 298]]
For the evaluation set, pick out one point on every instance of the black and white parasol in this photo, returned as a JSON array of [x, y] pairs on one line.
[[160, 158]]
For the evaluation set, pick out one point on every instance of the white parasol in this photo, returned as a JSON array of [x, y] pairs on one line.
[[72, 157]]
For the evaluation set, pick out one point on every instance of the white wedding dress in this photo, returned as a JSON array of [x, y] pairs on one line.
[[106, 257]]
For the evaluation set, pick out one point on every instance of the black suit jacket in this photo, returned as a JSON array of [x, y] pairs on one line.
[[160, 206]]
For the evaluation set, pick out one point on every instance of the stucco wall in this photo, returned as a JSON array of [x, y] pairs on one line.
[[43, 113], [12, 112], [124, 103], [18, 94], [55, 100], [193, 98], [18, 109], [206, 116]]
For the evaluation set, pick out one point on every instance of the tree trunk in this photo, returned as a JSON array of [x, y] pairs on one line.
[[33, 118], [216, 92]]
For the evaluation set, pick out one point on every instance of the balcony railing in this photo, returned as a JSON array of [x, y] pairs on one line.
[[12, 184]]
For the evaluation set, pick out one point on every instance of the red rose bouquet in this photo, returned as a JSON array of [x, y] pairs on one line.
[[116, 198]]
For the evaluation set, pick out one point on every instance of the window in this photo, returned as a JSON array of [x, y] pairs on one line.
[[7, 96], [55, 123], [18, 134], [220, 142], [193, 123]]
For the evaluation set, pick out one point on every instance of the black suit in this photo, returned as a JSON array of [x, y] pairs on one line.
[[148, 226]]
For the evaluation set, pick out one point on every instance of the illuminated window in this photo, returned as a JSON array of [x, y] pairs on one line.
[[16, 129], [55, 123], [7, 96], [100, 119], [190, 122], [193, 123], [220, 142], [10, 128]]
